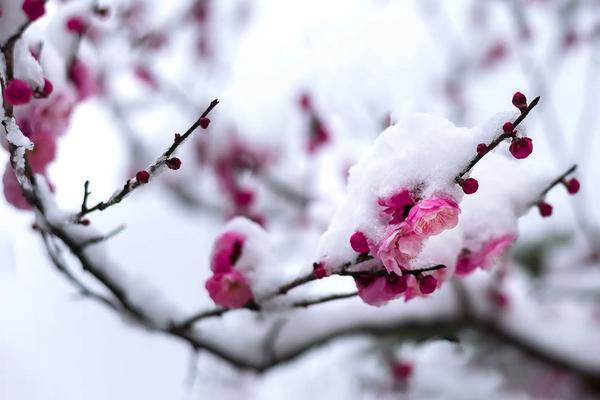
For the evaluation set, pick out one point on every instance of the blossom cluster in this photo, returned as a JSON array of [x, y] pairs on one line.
[[405, 226]]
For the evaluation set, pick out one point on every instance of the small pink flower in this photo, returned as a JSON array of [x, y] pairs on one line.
[[428, 284], [358, 242], [397, 205], [465, 263], [485, 257], [399, 246], [12, 191], [84, 79], [493, 249], [44, 151], [230, 289], [373, 290], [396, 284], [434, 215], [226, 251]]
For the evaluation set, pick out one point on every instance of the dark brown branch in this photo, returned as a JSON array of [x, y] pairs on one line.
[[60, 265], [282, 290], [324, 299], [496, 141]]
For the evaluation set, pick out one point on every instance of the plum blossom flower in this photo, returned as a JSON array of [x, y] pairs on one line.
[[378, 290], [230, 289], [398, 247], [397, 205], [372, 290], [485, 257], [12, 191], [434, 215], [84, 78], [226, 251]]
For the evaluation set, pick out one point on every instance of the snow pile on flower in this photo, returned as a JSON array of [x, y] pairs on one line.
[[403, 213]]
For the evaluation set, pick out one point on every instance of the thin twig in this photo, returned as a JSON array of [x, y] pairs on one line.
[[133, 184], [558, 180], [324, 299], [496, 141]]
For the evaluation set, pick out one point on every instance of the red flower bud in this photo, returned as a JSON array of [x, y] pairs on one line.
[[521, 147], [48, 88], [520, 101], [174, 163], [358, 242], [508, 127], [76, 24], [573, 186], [481, 148], [142, 176], [545, 209], [18, 92], [34, 9], [319, 270], [204, 122], [470, 185]]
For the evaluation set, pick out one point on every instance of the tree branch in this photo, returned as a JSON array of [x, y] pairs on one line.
[[496, 141], [133, 184]]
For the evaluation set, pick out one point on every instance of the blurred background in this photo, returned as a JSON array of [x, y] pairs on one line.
[[305, 87]]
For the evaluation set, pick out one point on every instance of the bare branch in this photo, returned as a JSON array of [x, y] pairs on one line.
[[133, 184]]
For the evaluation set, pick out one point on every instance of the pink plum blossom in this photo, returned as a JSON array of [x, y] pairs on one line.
[[84, 79], [485, 257], [12, 191], [230, 289], [378, 290], [434, 215], [49, 116], [399, 246], [226, 251], [397, 205]]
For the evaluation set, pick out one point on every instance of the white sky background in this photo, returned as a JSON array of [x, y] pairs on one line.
[[55, 347]]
